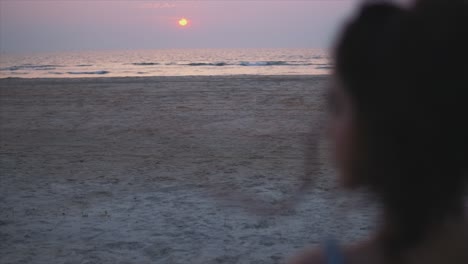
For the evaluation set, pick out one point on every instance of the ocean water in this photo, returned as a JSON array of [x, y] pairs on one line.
[[171, 62]]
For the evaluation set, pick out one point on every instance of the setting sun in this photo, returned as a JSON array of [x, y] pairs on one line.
[[183, 22]]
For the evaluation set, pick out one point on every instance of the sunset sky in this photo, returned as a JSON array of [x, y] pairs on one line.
[[31, 26]]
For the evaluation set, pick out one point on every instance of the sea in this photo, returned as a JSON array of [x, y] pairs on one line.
[[167, 62]]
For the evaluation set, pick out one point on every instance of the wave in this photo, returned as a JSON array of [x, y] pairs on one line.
[[277, 63], [263, 63], [19, 73], [31, 67], [91, 72], [241, 63], [84, 65], [324, 67], [145, 63], [248, 63], [207, 64]]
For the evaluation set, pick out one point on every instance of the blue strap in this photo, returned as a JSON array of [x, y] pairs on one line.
[[333, 253]]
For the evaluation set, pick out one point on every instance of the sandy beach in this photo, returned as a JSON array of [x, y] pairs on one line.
[[155, 170]]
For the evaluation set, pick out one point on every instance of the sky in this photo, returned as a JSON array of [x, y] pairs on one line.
[[70, 25]]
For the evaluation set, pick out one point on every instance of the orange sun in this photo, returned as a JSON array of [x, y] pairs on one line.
[[183, 22]]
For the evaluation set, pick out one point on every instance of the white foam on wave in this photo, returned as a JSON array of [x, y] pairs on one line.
[[30, 67]]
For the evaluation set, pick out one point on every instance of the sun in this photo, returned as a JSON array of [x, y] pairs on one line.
[[183, 22]]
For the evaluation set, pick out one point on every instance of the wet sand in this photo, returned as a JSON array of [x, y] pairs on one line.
[[155, 170]]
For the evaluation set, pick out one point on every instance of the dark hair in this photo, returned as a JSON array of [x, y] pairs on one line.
[[406, 71]]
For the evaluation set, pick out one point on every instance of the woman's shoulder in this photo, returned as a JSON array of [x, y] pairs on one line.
[[313, 255]]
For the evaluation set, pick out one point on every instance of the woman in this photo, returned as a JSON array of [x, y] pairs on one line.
[[399, 122]]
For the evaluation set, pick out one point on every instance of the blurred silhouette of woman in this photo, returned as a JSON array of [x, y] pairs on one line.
[[399, 124]]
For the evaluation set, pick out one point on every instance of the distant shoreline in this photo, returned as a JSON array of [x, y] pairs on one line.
[[191, 77]]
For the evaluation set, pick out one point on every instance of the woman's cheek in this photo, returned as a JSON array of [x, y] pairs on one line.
[[341, 131]]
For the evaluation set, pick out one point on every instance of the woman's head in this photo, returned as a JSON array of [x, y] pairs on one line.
[[404, 75]]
